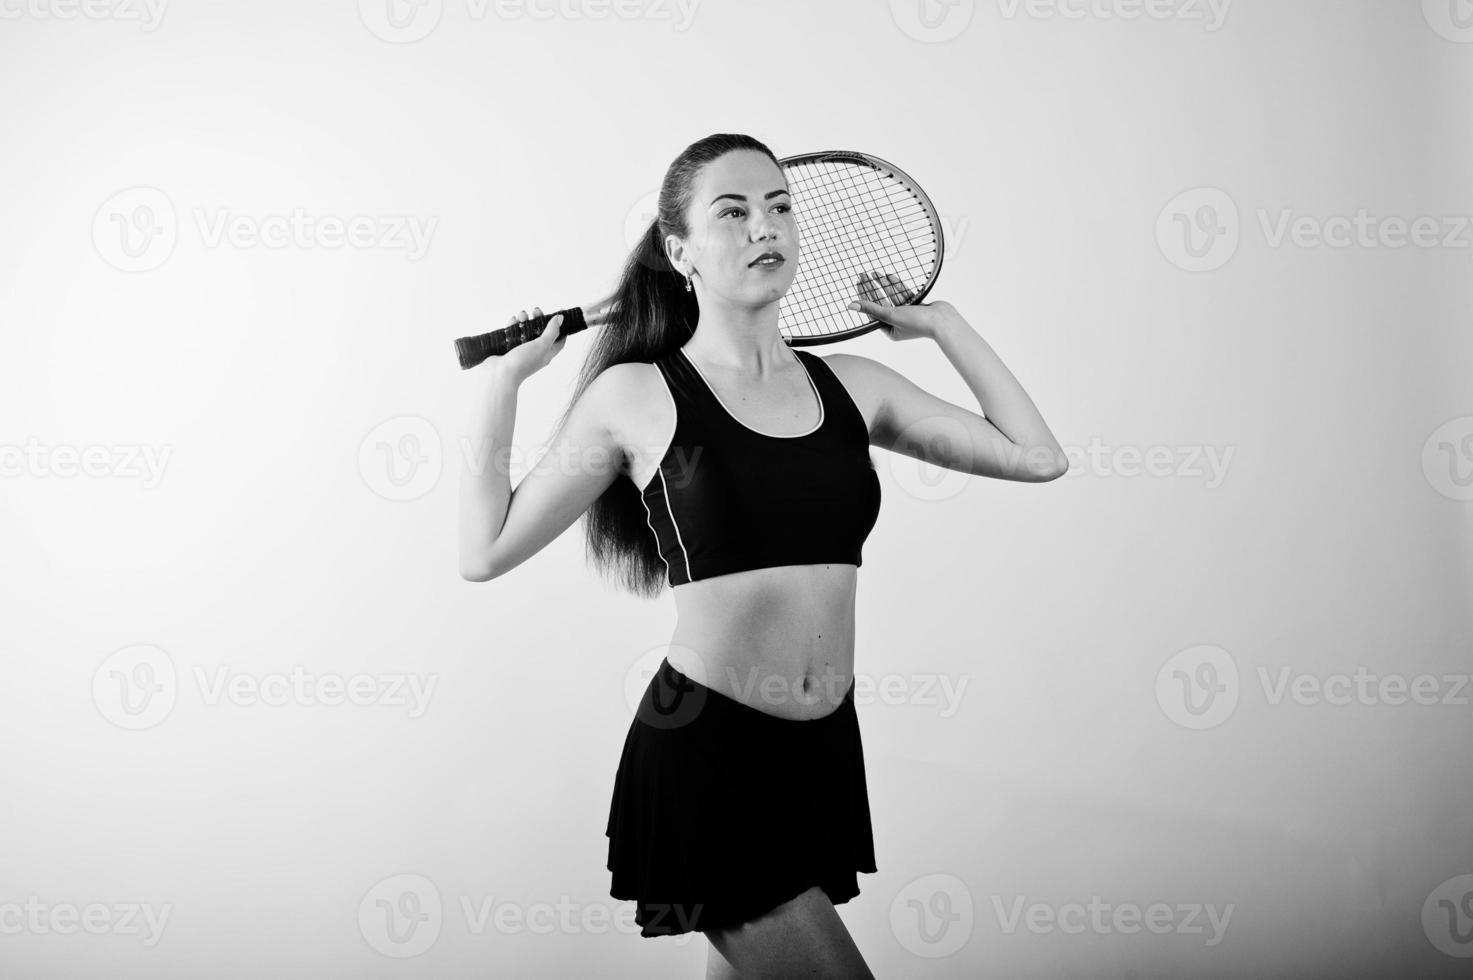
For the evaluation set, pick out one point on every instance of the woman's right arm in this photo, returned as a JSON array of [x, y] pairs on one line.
[[501, 527]]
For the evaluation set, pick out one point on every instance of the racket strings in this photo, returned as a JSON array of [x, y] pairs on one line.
[[845, 255], [856, 222], [879, 201]]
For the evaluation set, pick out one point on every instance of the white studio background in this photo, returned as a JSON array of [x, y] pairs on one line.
[[1189, 228]]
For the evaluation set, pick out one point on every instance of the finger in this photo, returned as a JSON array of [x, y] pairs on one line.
[[896, 290], [878, 285], [868, 291], [512, 321], [522, 315]]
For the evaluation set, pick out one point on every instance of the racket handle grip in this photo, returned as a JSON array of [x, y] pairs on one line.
[[473, 350]]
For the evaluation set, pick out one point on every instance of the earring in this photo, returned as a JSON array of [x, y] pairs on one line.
[[688, 287]]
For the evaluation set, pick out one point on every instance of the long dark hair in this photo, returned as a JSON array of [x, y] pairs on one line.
[[652, 315]]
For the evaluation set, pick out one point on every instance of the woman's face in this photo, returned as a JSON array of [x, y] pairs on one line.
[[739, 210]]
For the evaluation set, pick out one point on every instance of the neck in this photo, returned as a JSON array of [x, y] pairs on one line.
[[744, 340]]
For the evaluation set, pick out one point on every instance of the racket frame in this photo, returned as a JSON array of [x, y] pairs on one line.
[[885, 166], [599, 312]]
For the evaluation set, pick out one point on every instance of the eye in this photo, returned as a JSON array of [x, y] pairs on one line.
[[785, 208], [728, 211]]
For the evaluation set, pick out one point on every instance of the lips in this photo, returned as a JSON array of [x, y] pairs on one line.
[[768, 255]]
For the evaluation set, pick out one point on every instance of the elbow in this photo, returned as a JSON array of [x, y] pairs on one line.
[[1042, 464], [1053, 473], [478, 570]]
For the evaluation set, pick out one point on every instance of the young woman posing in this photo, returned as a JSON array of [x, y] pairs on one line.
[[712, 457]]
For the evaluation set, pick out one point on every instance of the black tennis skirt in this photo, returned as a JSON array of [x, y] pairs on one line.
[[722, 812]]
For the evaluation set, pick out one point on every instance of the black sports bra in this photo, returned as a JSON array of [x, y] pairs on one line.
[[727, 498]]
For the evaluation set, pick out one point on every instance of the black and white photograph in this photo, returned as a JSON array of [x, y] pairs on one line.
[[906, 489]]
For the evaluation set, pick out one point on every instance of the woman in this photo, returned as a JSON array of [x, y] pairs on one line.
[[711, 456]]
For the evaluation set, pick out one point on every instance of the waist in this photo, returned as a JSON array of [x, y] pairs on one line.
[[778, 640], [677, 700]]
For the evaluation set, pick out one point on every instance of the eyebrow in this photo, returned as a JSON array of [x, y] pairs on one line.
[[742, 197]]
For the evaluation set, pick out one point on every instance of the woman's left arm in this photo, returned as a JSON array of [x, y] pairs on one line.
[[1012, 441]]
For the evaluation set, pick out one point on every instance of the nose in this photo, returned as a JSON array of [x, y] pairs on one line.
[[767, 228]]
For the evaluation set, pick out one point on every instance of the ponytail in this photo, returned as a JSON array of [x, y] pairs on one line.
[[652, 315]]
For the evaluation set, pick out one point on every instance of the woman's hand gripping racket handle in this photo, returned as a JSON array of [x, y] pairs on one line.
[[473, 350]]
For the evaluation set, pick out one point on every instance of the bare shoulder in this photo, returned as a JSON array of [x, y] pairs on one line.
[[631, 399], [630, 391], [863, 378], [618, 382]]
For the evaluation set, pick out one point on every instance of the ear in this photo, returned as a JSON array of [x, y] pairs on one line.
[[675, 251]]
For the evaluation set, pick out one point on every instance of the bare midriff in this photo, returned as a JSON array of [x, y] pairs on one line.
[[780, 639]]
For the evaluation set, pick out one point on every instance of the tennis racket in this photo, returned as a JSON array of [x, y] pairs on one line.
[[867, 232]]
